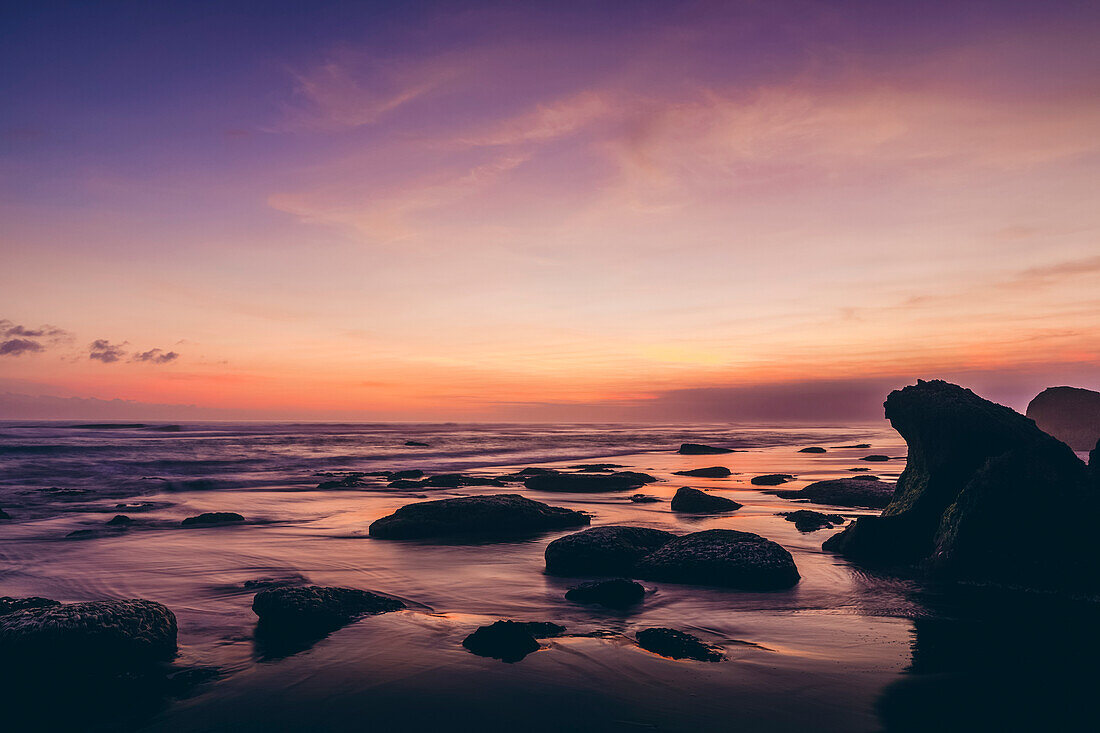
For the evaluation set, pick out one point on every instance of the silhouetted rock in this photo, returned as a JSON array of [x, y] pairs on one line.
[[1070, 414], [771, 479], [857, 445], [677, 645], [210, 518], [306, 610], [808, 521], [698, 449], [497, 514], [812, 449], [415, 444], [616, 593], [405, 483], [709, 472], [722, 557], [120, 520], [603, 550], [858, 491], [412, 473], [644, 499], [510, 641], [586, 483], [597, 466], [1094, 466], [454, 480], [973, 467], [694, 500], [11, 605], [101, 634], [875, 457]]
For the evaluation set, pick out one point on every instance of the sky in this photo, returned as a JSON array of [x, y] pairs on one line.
[[651, 211]]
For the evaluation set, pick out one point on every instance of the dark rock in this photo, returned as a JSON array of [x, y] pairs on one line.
[[616, 593], [973, 467], [771, 479], [866, 477], [857, 445], [586, 483], [698, 449], [4, 514], [812, 449], [603, 550], [644, 499], [455, 480], [859, 469], [102, 634], [694, 500], [120, 520], [275, 582], [305, 610], [411, 473], [1070, 414], [510, 641], [209, 518], [11, 605], [676, 645], [710, 472], [808, 521], [534, 471], [722, 557], [415, 444], [858, 491], [405, 483], [875, 457], [497, 514], [597, 466]]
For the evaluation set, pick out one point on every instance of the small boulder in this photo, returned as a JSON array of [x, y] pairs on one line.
[[586, 483], [694, 500], [722, 557], [510, 641], [211, 518], [310, 609], [709, 472], [455, 480], [120, 520], [858, 491], [698, 449], [415, 444], [875, 457], [496, 514], [676, 645], [616, 593], [812, 449], [405, 483], [412, 473], [603, 550], [809, 521], [771, 479]]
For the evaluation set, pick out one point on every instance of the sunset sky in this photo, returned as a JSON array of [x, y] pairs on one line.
[[631, 210]]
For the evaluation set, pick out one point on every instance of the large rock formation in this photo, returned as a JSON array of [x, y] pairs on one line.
[[603, 550], [496, 514], [722, 557], [1070, 414], [985, 497]]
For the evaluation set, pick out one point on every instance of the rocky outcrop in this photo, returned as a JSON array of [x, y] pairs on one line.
[[709, 472], [809, 521], [493, 515], [722, 557], [975, 471], [510, 641], [694, 500], [698, 449], [100, 634], [859, 491], [211, 518], [676, 645], [615, 593], [312, 609], [1070, 414], [603, 550], [588, 482], [771, 479]]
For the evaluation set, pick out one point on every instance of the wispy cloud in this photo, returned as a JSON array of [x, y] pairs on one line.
[[155, 356], [18, 347], [106, 352]]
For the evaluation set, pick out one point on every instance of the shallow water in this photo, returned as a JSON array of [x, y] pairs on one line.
[[824, 654]]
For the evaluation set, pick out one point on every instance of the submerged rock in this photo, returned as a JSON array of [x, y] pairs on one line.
[[875, 457], [510, 641], [809, 521], [858, 491], [676, 645], [120, 520], [101, 634], [973, 467], [584, 482], [603, 550], [11, 605], [709, 472], [1070, 414], [615, 593], [812, 449], [209, 518], [305, 610], [771, 479], [644, 499], [698, 449], [496, 514], [722, 557], [694, 500], [415, 444]]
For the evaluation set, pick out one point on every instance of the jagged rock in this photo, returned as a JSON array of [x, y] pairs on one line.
[[11, 605], [1070, 414], [858, 491], [120, 520], [771, 479], [306, 610], [698, 449], [875, 457], [510, 641], [694, 500], [615, 593], [809, 521], [709, 472], [722, 557], [586, 483], [100, 634], [973, 466], [677, 645], [210, 518], [496, 514], [812, 449], [644, 499], [603, 550]]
